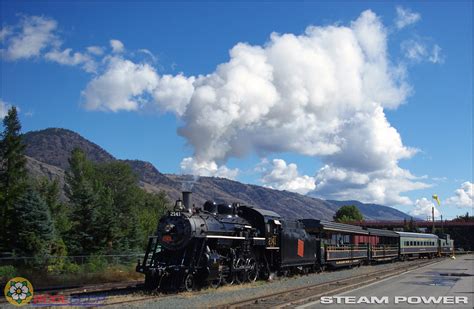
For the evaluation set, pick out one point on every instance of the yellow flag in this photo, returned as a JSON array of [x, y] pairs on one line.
[[436, 198]]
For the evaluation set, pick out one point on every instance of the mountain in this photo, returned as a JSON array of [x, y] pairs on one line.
[[53, 146], [388, 213], [48, 151]]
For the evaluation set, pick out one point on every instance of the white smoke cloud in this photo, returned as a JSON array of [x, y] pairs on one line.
[[463, 196], [282, 176], [423, 208], [28, 38], [405, 17], [322, 93], [191, 166], [117, 46]]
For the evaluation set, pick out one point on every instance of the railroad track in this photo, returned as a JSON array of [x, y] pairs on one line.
[[298, 296]]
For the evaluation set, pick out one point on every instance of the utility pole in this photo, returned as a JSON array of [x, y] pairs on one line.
[[432, 214], [436, 198], [442, 224]]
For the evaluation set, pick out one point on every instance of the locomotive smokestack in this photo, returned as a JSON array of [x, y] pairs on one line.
[[187, 200]]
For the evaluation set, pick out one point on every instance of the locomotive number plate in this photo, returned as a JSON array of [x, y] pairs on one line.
[[175, 213]]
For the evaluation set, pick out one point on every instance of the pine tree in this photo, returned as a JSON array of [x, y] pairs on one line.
[[50, 192], [32, 227], [82, 237], [13, 174]]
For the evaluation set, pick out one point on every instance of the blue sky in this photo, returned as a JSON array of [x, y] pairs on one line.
[[405, 136]]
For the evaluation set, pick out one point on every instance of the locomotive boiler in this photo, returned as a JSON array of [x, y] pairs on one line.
[[195, 246]]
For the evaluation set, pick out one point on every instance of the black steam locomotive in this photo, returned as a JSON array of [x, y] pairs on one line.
[[222, 243]]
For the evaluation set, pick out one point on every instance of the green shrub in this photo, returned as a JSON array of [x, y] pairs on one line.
[[7, 272], [71, 268], [96, 263]]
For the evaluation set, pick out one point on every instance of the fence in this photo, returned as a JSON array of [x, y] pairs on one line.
[[77, 259]]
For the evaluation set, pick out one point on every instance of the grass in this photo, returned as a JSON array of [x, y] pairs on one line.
[[73, 275]]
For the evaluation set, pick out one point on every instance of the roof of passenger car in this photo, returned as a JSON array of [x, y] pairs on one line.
[[416, 235], [384, 233], [333, 226]]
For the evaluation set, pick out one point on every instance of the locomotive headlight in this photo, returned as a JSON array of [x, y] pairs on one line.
[[169, 227]]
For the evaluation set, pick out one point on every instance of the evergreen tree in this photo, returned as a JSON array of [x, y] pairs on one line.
[[82, 238], [50, 192], [347, 214], [13, 174], [405, 225], [412, 226], [32, 226], [108, 233]]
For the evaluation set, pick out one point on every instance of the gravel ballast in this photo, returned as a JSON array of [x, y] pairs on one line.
[[227, 294]]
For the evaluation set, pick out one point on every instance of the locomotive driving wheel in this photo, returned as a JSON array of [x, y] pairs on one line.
[[252, 270], [189, 283], [241, 274], [217, 282]]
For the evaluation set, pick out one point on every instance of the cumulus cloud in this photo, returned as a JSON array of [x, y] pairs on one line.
[[117, 46], [282, 176], [191, 166], [423, 208], [29, 38], [123, 86], [462, 197], [173, 93], [385, 186], [405, 17], [322, 93], [67, 57], [418, 50]]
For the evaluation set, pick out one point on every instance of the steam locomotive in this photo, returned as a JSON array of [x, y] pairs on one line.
[[222, 243]]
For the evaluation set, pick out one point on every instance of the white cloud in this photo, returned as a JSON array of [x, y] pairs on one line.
[[191, 166], [173, 93], [4, 107], [123, 86], [35, 36], [405, 17], [418, 50], [322, 93], [385, 186], [95, 50], [4, 32], [29, 38], [66, 57], [462, 197], [282, 176], [423, 208], [117, 46], [436, 56]]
